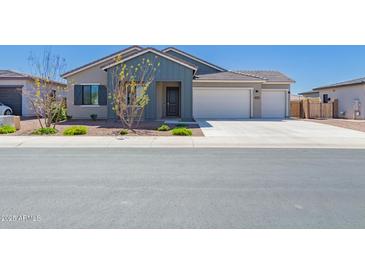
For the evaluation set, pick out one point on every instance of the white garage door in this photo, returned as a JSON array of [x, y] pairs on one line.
[[273, 104], [222, 103]]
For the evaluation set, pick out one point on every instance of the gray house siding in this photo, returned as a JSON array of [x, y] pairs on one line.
[[168, 71], [202, 68]]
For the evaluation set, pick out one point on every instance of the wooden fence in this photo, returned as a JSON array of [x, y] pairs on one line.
[[313, 109]]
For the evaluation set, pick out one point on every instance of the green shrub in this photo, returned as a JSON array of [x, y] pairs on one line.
[[181, 125], [69, 117], [75, 130], [94, 116], [163, 127], [5, 129], [62, 116], [123, 132], [45, 131], [182, 131]]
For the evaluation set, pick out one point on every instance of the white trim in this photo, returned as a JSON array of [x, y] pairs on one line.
[[193, 58], [275, 89], [227, 81], [251, 102], [240, 88], [88, 84], [149, 50], [287, 98], [99, 62], [279, 83]]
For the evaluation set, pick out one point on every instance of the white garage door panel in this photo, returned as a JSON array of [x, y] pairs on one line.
[[273, 104], [221, 103]]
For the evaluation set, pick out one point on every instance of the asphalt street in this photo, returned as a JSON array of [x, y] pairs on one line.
[[181, 188]]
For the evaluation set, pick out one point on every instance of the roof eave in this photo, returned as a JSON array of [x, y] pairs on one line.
[[339, 86], [226, 81], [280, 82]]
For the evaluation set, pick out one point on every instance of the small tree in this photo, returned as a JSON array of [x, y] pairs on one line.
[[46, 101], [129, 93]]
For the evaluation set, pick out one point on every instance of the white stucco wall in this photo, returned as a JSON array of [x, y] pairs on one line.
[[27, 90], [346, 97]]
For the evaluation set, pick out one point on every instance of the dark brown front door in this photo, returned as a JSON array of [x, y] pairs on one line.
[[172, 101]]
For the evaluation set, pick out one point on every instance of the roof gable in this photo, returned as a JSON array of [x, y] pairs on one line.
[[193, 59], [103, 60], [157, 52]]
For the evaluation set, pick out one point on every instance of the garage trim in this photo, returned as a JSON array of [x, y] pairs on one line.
[[286, 98], [232, 88]]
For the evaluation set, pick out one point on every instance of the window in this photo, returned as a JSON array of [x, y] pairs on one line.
[[325, 98], [138, 92], [90, 94]]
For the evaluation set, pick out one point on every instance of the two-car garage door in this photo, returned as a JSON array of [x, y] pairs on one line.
[[224, 103], [237, 103]]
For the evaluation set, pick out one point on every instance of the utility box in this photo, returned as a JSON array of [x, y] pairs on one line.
[[10, 120]]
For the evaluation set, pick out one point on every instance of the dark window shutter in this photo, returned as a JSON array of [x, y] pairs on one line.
[[102, 95], [77, 95]]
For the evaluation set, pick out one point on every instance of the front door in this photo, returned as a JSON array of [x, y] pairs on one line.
[[172, 101]]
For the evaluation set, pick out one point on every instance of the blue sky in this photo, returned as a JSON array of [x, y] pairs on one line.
[[310, 66]]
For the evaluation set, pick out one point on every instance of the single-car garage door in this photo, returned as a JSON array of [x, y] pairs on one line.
[[273, 104], [224, 103], [12, 97]]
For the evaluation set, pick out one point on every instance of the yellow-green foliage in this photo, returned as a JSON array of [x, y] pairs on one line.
[[75, 130], [182, 131], [45, 131], [5, 129]]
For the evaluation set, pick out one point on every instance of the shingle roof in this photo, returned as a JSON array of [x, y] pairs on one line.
[[357, 81], [228, 76], [268, 75], [104, 59], [11, 74]]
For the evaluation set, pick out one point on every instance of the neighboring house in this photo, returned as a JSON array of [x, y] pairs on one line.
[[350, 95], [295, 97], [184, 87], [15, 88], [310, 94]]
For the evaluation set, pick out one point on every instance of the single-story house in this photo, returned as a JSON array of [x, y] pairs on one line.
[[15, 88], [184, 87], [350, 95]]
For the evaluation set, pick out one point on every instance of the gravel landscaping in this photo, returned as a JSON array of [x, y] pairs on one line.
[[350, 124], [105, 128]]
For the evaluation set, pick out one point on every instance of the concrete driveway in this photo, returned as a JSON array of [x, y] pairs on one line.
[[275, 130]]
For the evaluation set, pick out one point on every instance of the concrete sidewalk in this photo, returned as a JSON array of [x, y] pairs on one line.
[[356, 141]]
